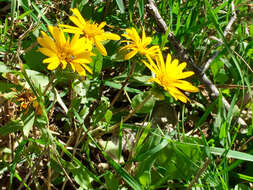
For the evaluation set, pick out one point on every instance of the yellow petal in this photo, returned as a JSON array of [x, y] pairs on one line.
[[58, 35], [181, 66], [146, 41], [78, 15], [143, 34], [64, 64], [82, 60], [178, 95], [73, 31], [100, 47], [46, 41], [111, 36], [135, 35], [87, 68], [155, 68], [149, 66], [126, 36], [51, 59], [74, 40], [76, 21], [186, 86], [175, 62], [47, 52], [73, 67], [53, 65], [130, 54], [128, 47], [102, 24], [184, 75], [80, 70]]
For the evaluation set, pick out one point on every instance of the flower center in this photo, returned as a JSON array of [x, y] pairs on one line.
[[165, 80], [66, 55], [92, 30], [141, 48]]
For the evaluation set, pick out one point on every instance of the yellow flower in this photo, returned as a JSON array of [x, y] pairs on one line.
[[169, 75], [138, 45], [76, 52], [92, 31]]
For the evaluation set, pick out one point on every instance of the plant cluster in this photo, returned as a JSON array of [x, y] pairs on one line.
[[126, 94]]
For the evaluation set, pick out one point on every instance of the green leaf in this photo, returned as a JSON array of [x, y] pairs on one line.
[[81, 177], [18, 153], [108, 116], [111, 181], [77, 162], [216, 66], [123, 173], [216, 23], [147, 107], [232, 154], [97, 64], [121, 6], [143, 137], [28, 121], [11, 127], [141, 10], [4, 68], [6, 87], [152, 151], [118, 86], [42, 15], [34, 59], [25, 5]]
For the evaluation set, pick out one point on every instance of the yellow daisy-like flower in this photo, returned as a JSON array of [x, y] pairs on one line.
[[169, 75], [138, 45], [76, 52], [92, 31]]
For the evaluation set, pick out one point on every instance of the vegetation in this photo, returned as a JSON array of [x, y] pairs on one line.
[[126, 94]]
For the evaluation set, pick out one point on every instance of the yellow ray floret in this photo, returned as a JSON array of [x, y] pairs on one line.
[[169, 75], [138, 45], [62, 51], [94, 32]]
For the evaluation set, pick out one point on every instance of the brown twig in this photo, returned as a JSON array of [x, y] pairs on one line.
[[49, 84], [49, 172], [36, 164], [204, 167], [183, 54], [64, 171], [227, 29], [95, 104], [124, 84]]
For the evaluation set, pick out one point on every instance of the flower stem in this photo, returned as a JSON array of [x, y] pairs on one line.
[[124, 84], [49, 84]]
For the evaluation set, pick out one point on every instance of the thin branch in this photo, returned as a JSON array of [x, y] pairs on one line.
[[95, 104], [227, 29], [36, 165], [123, 85], [63, 169], [49, 84], [204, 167], [183, 54]]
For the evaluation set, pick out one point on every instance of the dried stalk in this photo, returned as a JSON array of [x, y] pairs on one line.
[[183, 54], [227, 29], [204, 167], [124, 84]]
